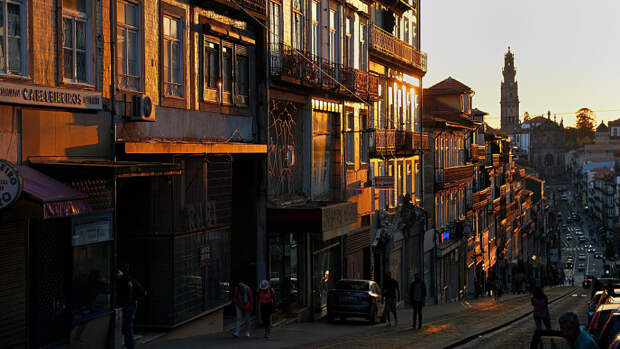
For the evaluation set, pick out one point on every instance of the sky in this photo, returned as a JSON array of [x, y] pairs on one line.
[[567, 53]]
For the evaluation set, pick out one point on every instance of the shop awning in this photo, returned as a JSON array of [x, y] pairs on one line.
[[119, 169], [57, 199]]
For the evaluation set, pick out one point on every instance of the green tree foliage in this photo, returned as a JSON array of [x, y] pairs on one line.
[[575, 138], [585, 119]]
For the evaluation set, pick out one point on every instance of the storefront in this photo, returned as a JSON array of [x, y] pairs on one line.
[[306, 254]]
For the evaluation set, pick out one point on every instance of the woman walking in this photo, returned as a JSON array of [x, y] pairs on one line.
[[541, 308], [266, 300], [242, 297]]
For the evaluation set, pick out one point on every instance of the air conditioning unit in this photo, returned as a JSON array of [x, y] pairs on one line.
[[138, 108]]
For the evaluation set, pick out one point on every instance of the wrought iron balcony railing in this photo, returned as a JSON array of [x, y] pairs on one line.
[[387, 44], [397, 142], [478, 152], [302, 68], [481, 198], [454, 175]]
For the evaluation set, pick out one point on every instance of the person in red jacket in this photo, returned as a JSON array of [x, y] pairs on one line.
[[266, 301], [242, 297]]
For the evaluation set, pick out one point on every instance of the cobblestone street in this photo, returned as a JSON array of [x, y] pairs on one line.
[[444, 325]]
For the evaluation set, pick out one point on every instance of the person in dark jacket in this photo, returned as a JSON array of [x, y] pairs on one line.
[[417, 297], [129, 290], [541, 308]]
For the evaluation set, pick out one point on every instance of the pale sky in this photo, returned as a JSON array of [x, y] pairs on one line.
[[567, 52]]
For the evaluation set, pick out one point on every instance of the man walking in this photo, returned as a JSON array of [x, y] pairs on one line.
[[391, 295], [129, 290], [417, 296], [242, 297]]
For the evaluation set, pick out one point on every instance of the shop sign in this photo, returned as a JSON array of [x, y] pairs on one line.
[[51, 97], [338, 215], [384, 182], [11, 183], [91, 230]]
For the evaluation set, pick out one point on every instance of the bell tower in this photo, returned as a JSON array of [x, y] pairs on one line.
[[510, 95]]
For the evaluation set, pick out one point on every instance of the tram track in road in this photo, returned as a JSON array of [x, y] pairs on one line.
[[506, 324]]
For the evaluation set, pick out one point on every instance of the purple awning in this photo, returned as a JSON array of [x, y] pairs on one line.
[[58, 199]]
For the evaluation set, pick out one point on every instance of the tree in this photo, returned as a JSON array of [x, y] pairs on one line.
[[585, 119]]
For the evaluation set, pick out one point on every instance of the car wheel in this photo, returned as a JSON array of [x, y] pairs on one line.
[[372, 317]]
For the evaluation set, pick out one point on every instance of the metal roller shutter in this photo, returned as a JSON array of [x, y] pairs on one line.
[[13, 281]]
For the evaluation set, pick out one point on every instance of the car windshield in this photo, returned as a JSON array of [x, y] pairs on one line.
[[352, 285]]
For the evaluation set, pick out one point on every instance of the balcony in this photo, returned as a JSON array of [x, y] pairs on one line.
[[397, 143], [399, 6], [454, 175], [394, 50], [495, 160], [257, 7], [373, 87], [478, 153], [481, 198], [312, 72], [510, 208]]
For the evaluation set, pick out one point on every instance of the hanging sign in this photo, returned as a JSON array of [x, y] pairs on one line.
[[11, 183], [51, 97]]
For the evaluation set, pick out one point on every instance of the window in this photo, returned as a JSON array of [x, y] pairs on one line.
[[333, 36], [363, 47], [226, 72], [76, 41], [349, 39], [212, 64], [363, 136], [274, 24], [316, 28], [397, 26], [322, 137], [173, 56], [406, 34], [242, 75], [298, 25], [13, 38], [350, 137], [129, 45]]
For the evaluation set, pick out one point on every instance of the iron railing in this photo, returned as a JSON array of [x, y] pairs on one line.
[[386, 43]]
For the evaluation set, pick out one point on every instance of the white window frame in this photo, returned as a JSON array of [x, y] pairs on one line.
[[334, 37], [298, 23], [350, 137], [167, 45], [316, 28], [122, 27], [4, 44], [85, 17]]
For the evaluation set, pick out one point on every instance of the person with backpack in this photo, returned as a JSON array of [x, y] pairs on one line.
[[129, 291], [242, 297], [266, 301]]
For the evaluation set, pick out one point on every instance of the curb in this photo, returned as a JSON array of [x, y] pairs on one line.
[[509, 322]]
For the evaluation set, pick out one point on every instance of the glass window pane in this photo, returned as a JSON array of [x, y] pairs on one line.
[[68, 64], [131, 12], [80, 35], [176, 69], [173, 28], [227, 73], [15, 62], [242, 75], [120, 12], [166, 60], [132, 52], [67, 25], [80, 65], [122, 51], [2, 20], [14, 22], [2, 60], [166, 26], [212, 65], [91, 279]]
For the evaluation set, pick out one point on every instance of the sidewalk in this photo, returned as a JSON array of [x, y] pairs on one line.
[[448, 320]]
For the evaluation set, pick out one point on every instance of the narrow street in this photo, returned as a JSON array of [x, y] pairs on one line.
[[519, 334], [444, 325]]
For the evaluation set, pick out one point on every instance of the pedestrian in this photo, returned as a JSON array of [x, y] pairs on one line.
[[266, 301], [575, 335], [498, 288], [391, 295], [541, 308], [242, 297], [129, 291], [417, 296]]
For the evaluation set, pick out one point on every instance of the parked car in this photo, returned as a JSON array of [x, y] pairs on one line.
[[564, 198], [581, 267], [355, 298], [610, 330], [598, 255], [582, 256]]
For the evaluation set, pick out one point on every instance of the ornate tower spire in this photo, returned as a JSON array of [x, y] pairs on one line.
[[510, 96]]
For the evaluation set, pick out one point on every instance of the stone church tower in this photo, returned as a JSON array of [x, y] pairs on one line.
[[510, 95]]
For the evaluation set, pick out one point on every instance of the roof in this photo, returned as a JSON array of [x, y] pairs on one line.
[[448, 86], [614, 123], [436, 113], [537, 120], [602, 127]]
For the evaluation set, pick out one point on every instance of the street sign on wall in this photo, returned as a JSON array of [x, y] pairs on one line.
[[11, 183]]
